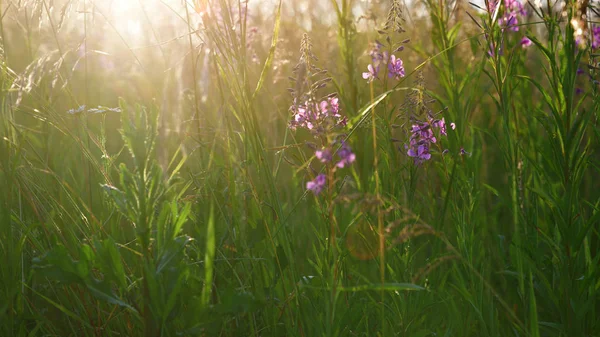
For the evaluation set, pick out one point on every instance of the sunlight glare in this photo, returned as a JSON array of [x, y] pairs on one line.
[[127, 16]]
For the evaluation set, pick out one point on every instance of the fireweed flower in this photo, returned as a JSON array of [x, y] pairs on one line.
[[395, 68], [317, 117], [377, 55], [581, 40], [513, 11], [324, 155], [441, 124], [317, 185], [323, 119], [346, 155], [422, 136], [421, 154], [596, 37], [371, 73]]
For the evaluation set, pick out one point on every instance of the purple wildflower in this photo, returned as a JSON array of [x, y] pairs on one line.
[[421, 154], [512, 10], [441, 124], [596, 37], [378, 56], [346, 155], [395, 68], [324, 155], [371, 74], [423, 131], [422, 136], [525, 42], [331, 108], [317, 117], [334, 105], [316, 185]]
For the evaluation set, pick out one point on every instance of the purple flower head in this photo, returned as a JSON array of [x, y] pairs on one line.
[[317, 117], [424, 132], [525, 42], [334, 105], [422, 136], [395, 68], [441, 124], [324, 155], [492, 6], [316, 185], [596, 37], [371, 74], [421, 153], [510, 21], [346, 156], [378, 56], [513, 9]]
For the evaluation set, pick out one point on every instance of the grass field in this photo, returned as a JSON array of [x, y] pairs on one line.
[[299, 168]]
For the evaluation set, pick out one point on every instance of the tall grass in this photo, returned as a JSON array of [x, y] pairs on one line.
[[159, 178]]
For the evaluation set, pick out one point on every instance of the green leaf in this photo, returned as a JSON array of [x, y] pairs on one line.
[[209, 257], [109, 260], [57, 264], [269, 60], [173, 250], [116, 196], [533, 317]]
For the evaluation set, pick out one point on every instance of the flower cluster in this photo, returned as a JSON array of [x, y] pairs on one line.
[[317, 185], [422, 136], [324, 120], [581, 38], [596, 37], [317, 117], [395, 66], [345, 157], [320, 117], [513, 11]]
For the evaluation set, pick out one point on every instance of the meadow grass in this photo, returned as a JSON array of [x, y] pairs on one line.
[[299, 168]]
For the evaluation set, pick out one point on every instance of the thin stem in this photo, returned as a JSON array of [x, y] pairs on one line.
[[194, 72]]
